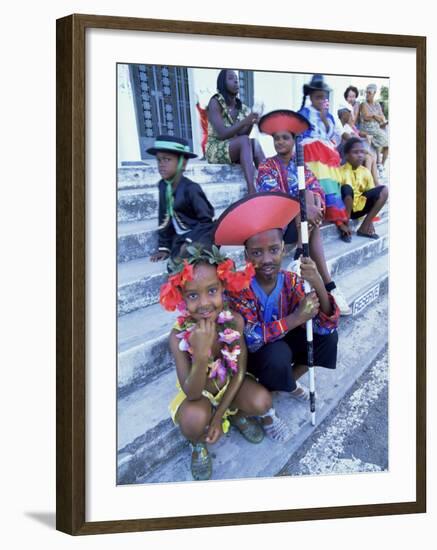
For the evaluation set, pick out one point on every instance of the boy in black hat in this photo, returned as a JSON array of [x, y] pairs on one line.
[[185, 215]]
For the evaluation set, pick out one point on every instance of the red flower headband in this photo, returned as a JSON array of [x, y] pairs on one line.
[[170, 296]]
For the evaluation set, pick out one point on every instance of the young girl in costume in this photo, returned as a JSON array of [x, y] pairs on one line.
[[321, 156], [210, 356], [279, 173]]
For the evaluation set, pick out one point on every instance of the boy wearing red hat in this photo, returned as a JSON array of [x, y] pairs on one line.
[[275, 307], [185, 215], [280, 173]]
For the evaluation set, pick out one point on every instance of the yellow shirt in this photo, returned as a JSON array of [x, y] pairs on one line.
[[360, 180]]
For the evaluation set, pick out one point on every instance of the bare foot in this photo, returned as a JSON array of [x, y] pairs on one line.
[[344, 229]]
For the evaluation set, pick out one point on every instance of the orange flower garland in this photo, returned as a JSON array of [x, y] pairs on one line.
[[170, 296]]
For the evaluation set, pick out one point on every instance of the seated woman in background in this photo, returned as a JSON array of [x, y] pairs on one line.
[[229, 125], [349, 130], [351, 96], [373, 121]]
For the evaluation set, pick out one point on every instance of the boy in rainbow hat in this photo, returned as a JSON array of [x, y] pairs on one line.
[[185, 215]]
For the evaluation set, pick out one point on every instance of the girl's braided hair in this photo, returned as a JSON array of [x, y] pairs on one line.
[[303, 101], [221, 87]]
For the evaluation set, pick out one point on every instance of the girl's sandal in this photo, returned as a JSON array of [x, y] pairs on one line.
[[201, 463], [249, 428]]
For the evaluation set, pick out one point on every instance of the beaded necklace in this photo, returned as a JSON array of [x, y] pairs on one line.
[[225, 366]]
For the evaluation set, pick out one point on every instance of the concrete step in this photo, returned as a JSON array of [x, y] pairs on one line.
[[341, 256], [139, 239], [147, 435], [146, 175], [142, 204], [136, 177], [363, 286], [143, 351], [145, 429], [139, 280]]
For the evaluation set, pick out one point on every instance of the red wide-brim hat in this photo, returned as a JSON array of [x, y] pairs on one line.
[[254, 214], [283, 120]]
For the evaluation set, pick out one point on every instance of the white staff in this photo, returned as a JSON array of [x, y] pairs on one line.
[[305, 246]]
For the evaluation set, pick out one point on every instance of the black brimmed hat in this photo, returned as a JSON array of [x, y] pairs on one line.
[[171, 144], [317, 83]]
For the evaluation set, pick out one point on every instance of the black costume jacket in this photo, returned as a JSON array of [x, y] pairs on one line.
[[193, 212]]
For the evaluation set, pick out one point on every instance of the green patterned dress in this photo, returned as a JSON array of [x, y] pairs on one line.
[[217, 150]]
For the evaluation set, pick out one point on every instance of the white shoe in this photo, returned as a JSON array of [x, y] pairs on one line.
[[343, 306], [300, 393], [278, 429]]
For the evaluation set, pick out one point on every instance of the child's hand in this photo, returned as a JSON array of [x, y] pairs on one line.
[[251, 118], [324, 110], [214, 430], [314, 208], [308, 271], [159, 256], [308, 308], [202, 338]]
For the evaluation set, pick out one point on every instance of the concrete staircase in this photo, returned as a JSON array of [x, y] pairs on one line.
[[150, 447]]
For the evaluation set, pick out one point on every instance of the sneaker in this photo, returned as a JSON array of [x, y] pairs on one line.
[[343, 306], [201, 463]]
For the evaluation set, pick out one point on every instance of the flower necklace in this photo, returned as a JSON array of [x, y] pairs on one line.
[[225, 366]]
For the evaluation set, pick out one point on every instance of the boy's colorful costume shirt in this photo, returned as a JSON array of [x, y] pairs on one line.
[[276, 175], [264, 314]]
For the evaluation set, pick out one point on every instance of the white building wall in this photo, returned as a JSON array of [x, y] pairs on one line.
[[203, 83], [128, 143]]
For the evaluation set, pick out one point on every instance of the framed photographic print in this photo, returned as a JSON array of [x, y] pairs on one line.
[[134, 97]]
